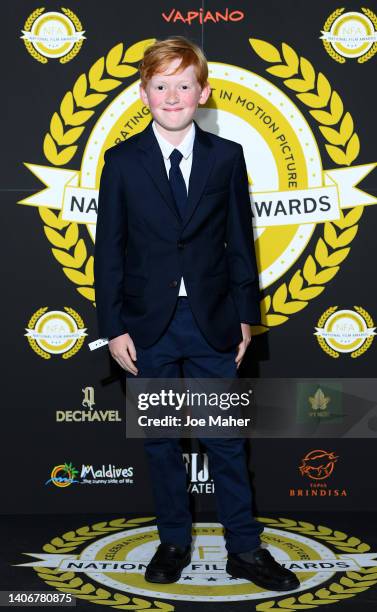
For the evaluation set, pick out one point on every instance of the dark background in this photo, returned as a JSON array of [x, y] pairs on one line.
[[33, 388]]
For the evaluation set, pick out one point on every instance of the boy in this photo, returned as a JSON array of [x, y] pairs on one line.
[[177, 283]]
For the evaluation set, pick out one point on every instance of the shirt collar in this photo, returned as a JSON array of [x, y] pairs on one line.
[[185, 147]]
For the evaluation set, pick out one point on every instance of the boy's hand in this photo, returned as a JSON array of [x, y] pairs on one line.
[[123, 350], [242, 347]]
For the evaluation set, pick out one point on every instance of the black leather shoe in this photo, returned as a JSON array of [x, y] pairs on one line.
[[262, 569], [167, 563]]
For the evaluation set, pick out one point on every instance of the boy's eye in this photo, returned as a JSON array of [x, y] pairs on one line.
[[161, 87]]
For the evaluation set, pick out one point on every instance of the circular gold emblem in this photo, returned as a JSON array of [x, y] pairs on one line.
[[53, 35], [107, 561], [345, 331], [350, 35], [55, 332], [290, 192]]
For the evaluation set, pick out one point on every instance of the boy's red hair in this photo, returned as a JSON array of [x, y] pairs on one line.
[[162, 52]]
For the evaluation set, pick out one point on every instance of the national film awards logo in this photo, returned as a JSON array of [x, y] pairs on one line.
[[105, 563], [53, 35], [56, 332], [345, 331], [291, 194], [350, 35]]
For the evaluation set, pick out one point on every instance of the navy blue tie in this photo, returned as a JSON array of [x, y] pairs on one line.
[[177, 182]]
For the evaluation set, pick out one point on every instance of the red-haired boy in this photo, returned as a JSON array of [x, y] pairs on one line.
[[177, 286]]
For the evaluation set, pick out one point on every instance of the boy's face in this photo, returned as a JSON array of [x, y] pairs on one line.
[[174, 98]]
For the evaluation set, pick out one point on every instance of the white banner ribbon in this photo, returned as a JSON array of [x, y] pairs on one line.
[[343, 336], [31, 333], [339, 563], [275, 208], [49, 38], [347, 38]]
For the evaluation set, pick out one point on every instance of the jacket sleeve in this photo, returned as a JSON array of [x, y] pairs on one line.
[[110, 250], [240, 246]]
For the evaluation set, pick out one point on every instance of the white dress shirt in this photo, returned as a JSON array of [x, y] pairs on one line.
[[185, 147]]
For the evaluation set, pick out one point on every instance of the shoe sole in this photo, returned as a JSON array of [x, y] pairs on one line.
[[237, 572], [171, 580]]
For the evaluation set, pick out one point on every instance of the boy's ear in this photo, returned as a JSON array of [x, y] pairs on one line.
[[206, 91], [143, 95]]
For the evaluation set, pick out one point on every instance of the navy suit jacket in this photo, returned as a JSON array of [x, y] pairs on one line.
[[143, 247]]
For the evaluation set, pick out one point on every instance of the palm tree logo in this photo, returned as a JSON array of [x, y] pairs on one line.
[[63, 475]]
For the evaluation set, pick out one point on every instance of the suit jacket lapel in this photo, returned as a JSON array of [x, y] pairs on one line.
[[202, 162], [153, 162]]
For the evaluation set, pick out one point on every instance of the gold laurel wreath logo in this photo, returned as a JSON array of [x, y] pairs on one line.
[[66, 128], [27, 27], [31, 325], [314, 91], [38, 56], [77, 46], [370, 323], [44, 354], [328, 46], [343, 147], [321, 341], [364, 347], [80, 341], [373, 50], [68, 582], [349, 585], [330, 49]]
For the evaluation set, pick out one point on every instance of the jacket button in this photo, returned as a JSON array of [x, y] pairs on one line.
[[181, 245], [173, 284]]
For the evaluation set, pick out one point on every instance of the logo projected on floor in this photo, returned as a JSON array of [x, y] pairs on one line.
[[105, 563]]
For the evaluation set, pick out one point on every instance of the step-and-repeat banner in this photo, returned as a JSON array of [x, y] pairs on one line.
[[294, 83]]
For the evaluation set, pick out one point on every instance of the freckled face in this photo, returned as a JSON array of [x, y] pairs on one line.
[[174, 98]]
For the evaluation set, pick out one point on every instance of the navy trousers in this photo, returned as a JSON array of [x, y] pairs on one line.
[[183, 350]]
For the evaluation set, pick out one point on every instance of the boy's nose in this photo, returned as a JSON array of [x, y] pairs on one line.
[[172, 97]]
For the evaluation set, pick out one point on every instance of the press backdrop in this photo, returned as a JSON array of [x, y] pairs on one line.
[[303, 107]]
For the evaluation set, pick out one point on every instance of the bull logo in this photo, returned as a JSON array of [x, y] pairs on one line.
[[318, 464]]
